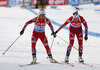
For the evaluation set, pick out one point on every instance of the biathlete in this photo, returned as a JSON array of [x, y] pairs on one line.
[[75, 28], [39, 33]]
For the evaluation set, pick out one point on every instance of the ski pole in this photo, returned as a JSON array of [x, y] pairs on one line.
[[11, 45], [66, 42], [52, 43]]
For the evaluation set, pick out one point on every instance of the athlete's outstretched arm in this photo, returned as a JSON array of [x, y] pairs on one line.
[[63, 25], [29, 22]]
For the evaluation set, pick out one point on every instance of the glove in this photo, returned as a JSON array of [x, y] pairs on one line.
[[22, 32], [54, 34], [85, 37]]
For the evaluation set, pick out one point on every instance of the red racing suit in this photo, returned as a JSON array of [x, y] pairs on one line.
[[39, 33], [75, 28]]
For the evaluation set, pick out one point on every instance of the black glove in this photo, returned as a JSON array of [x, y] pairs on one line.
[[54, 34], [22, 32], [85, 37]]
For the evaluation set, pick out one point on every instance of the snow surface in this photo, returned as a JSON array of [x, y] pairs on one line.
[[13, 19]]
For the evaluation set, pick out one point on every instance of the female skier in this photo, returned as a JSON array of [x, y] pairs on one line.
[[75, 28], [39, 33]]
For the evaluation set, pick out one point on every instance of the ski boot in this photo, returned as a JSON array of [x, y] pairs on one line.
[[34, 59], [81, 59], [66, 59], [51, 59]]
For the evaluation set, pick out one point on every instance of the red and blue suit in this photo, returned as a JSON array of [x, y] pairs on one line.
[[75, 28], [39, 33]]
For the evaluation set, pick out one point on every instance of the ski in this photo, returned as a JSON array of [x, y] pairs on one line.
[[56, 62], [69, 64], [29, 64], [84, 64]]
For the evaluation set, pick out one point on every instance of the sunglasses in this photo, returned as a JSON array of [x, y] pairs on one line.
[[42, 14], [75, 13]]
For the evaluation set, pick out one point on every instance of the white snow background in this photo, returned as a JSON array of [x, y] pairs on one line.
[[13, 19]]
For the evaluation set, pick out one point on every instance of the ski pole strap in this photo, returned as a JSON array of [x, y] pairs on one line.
[[66, 42]]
